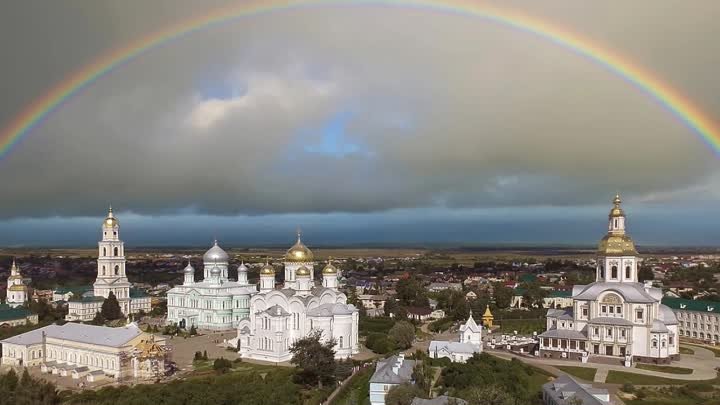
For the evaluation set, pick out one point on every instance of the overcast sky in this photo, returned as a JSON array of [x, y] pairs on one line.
[[361, 124]]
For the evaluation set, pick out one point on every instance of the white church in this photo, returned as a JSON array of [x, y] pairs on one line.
[[215, 302], [280, 316], [110, 278], [470, 342], [616, 315], [17, 291]]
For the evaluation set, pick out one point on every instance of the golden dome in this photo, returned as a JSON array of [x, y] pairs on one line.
[[268, 269], [110, 221], [616, 211], [17, 287], [329, 269], [299, 253], [303, 272], [487, 313], [617, 245]]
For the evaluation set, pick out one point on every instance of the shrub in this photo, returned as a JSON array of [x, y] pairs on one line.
[[629, 388], [222, 365]]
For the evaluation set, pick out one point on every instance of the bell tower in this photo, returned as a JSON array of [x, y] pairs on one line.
[[111, 264], [617, 256]]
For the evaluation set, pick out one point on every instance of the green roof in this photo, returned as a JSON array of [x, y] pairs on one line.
[[519, 291], [528, 278], [560, 294], [137, 293], [7, 313], [692, 305]]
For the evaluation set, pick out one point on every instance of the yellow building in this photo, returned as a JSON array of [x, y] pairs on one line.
[[487, 318]]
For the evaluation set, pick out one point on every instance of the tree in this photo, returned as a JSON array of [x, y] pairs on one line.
[[111, 308], [534, 295], [503, 295], [402, 334], [391, 306], [315, 360], [402, 394], [222, 365], [193, 330], [488, 395], [423, 376], [99, 319], [645, 273]]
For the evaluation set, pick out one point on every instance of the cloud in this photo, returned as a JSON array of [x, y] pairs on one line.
[[368, 109]]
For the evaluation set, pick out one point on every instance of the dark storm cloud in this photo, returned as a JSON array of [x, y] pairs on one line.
[[442, 111]]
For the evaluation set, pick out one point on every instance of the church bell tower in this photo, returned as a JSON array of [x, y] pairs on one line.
[[617, 256], [111, 264]]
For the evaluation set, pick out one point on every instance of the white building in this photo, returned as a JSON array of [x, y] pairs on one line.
[[74, 349], [279, 317], [470, 342], [391, 372], [616, 315], [17, 291], [565, 390], [110, 278], [215, 302]]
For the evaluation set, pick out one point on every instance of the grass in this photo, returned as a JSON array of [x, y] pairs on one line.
[[622, 377], [522, 326], [686, 350], [584, 373], [537, 379], [356, 390], [690, 394], [664, 369], [712, 349]]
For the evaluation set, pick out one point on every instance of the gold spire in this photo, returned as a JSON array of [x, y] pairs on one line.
[[616, 211], [110, 220]]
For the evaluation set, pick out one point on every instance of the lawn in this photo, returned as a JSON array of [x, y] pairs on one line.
[[537, 379], [712, 349], [664, 369], [622, 377], [357, 389], [522, 326], [585, 373], [690, 394], [686, 350]]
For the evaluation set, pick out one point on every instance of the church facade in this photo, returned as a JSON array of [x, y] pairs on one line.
[[616, 315], [280, 316], [17, 291], [469, 342], [110, 278], [215, 302]]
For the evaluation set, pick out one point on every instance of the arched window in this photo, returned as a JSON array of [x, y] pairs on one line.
[[614, 272], [117, 270], [115, 251], [616, 225], [103, 270], [104, 251], [341, 341], [627, 271]]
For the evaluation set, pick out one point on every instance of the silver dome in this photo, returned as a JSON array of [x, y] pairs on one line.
[[189, 269], [215, 255], [242, 267], [215, 271]]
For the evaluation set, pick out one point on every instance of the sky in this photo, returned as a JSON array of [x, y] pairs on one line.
[[362, 124]]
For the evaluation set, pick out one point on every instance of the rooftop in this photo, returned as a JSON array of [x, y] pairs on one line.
[[77, 332], [692, 305]]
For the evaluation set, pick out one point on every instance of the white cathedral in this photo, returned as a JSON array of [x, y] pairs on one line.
[[279, 317], [110, 278], [616, 315], [215, 302]]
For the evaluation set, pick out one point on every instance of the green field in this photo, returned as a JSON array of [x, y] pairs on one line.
[[622, 377], [686, 350], [585, 373], [522, 326], [664, 369], [357, 390]]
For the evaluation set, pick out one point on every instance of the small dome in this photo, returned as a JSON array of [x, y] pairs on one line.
[[616, 211], [303, 272], [110, 221], [299, 253], [189, 269], [329, 269], [215, 271], [215, 255], [617, 245], [242, 267], [268, 269]]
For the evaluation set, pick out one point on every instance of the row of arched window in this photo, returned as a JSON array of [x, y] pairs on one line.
[[116, 251], [81, 358]]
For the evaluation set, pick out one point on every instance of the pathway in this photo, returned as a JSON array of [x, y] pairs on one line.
[[601, 374], [702, 365]]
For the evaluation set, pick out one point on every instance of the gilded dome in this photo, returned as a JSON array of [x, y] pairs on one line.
[[616, 211], [267, 269], [17, 287], [303, 272], [617, 245], [215, 255], [329, 269], [299, 253], [110, 221]]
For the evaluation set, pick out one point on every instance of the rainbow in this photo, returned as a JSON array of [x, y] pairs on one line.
[[672, 100]]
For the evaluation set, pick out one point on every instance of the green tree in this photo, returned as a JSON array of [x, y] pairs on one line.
[[488, 395], [402, 334], [314, 360], [423, 376], [391, 306], [645, 273], [111, 308], [222, 365], [402, 394], [503, 295], [193, 330]]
